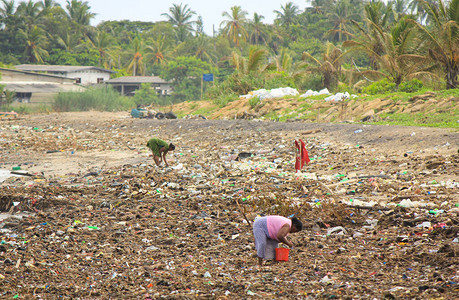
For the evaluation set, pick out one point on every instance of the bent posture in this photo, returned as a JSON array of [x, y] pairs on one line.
[[160, 148], [269, 231]]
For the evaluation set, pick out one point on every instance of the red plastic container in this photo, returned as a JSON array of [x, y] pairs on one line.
[[282, 254]]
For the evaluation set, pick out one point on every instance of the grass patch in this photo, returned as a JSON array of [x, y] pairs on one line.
[[99, 98], [441, 120]]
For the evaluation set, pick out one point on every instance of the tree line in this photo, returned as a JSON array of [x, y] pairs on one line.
[[337, 44]]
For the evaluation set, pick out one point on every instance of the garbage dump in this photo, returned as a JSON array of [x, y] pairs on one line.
[[145, 113], [96, 219]]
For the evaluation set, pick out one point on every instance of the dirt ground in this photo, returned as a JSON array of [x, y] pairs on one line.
[[380, 206]]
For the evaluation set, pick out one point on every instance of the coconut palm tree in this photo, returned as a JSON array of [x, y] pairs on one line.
[[234, 26], [100, 41], [159, 50], [136, 55], [443, 37], [398, 57], [341, 16], [286, 16], [35, 44], [7, 13], [258, 32], [180, 16], [329, 67], [376, 21], [79, 12]]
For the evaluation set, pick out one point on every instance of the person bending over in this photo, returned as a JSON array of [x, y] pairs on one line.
[[159, 149], [269, 231]]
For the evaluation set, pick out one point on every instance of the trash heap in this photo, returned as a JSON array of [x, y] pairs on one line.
[[377, 224]]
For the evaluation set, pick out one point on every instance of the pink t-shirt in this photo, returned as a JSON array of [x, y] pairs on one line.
[[275, 223]]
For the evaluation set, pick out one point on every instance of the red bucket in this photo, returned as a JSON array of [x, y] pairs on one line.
[[282, 254]]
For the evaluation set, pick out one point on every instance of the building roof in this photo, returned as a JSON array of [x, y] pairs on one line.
[[40, 87], [62, 69], [136, 80], [4, 70]]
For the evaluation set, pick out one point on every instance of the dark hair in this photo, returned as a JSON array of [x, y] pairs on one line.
[[171, 146], [297, 223]]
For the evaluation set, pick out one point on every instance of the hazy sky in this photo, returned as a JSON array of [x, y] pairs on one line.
[[210, 10]]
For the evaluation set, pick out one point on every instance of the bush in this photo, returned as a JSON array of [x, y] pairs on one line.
[[310, 82], [146, 95], [103, 98], [411, 86], [223, 100], [254, 101], [379, 87], [279, 79]]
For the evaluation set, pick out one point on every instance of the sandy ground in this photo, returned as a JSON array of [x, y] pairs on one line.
[[125, 139]]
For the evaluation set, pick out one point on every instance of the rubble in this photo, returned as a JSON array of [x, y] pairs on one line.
[[378, 223]]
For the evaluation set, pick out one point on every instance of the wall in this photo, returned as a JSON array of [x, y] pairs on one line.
[[89, 76]]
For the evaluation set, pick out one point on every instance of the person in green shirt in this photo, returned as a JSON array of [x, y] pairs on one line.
[[160, 148]]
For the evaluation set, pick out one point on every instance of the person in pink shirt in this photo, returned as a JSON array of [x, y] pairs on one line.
[[269, 231]]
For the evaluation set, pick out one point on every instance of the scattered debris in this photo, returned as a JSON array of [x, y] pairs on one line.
[[378, 224]]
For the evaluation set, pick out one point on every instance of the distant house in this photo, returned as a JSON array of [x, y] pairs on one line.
[[127, 85], [85, 75], [35, 87]]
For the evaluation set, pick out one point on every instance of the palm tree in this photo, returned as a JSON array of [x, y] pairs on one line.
[[330, 66], [443, 38], [284, 64], [255, 63], [180, 17], [376, 21], [257, 30], [29, 10], [7, 12], [203, 47], [399, 8], [35, 44], [397, 59], [100, 41], [234, 27], [286, 16], [79, 12], [340, 17], [159, 50], [136, 54], [418, 7]]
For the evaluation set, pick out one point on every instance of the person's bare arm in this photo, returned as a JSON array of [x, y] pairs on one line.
[[282, 235], [163, 156]]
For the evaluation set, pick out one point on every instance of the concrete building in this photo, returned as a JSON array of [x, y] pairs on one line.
[[35, 87], [85, 75], [127, 85]]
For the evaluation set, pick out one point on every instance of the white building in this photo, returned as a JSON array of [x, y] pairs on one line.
[[85, 75], [35, 87]]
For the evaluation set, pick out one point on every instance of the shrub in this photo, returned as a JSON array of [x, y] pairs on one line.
[[146, 95], [279, 79], [223, 100], [310, 82], [103, 98], [254, 101], [379, 87], [411, 86]]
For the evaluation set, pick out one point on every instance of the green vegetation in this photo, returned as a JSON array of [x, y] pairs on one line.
[[384, 49], [343, 45], [254, 101], [100, 98]]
